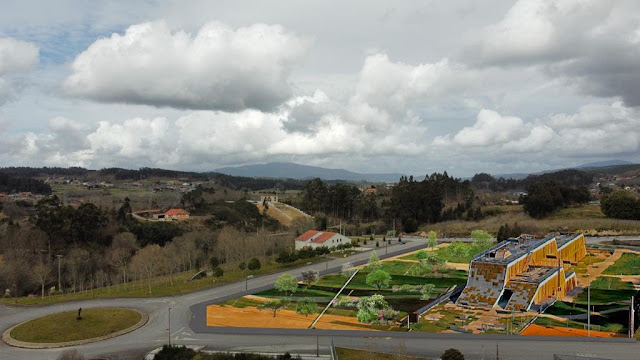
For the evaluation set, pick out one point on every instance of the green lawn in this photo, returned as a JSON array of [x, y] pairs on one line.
[[599, 296], [628, 264], [581, 266], [611, 283], [64, 327], [352, 354], [565, 308], [470, 250]]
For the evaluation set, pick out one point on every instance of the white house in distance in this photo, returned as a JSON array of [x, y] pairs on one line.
[[314, 239]]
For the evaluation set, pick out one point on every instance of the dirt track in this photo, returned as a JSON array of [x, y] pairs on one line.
[[535, 329], [252, 317]]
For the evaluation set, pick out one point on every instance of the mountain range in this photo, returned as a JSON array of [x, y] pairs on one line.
[[299, 171]]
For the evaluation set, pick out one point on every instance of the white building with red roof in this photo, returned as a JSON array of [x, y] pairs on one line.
[[314, 239], [176, 214]]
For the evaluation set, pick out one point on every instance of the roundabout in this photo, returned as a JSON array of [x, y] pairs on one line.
[[72, 328]]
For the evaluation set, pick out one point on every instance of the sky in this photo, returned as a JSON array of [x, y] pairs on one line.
[[415, 87]]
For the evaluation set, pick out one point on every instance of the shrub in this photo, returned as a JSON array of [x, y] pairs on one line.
[[218, 272], [254, 264], [452, 354], [374, 309]]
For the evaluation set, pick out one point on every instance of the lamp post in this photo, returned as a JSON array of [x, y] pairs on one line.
[[169, 327], [246, 282], [59, 282]]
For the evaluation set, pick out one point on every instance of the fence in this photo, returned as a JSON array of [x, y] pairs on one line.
[[334, 353]]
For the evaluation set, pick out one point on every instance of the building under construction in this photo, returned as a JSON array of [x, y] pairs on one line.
[[520, 273]]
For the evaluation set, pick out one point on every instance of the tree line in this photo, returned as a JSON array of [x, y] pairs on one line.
[[12, 184], [95, 247]]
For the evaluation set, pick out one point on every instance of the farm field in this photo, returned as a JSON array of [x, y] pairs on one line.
[[587, 219]]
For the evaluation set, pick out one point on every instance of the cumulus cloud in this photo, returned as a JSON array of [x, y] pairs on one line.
[[219, 68], [593, 45], [490, 128], [15, 56], [596, 130], [387, 92], [192, 142]]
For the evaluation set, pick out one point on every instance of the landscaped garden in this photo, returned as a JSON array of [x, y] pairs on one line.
[[628, 264], [378, 295], [457, 251]]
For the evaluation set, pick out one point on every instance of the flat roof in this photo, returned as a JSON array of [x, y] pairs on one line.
[[520, 246], [535, 274]]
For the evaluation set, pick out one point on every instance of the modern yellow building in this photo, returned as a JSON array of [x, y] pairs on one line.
[[520, 273]]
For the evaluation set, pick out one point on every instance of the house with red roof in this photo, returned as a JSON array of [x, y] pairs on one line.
[[314, 239], [176, 214]]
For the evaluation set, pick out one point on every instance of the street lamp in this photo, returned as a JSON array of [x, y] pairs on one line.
[[246, 282], [59, 283], [169, 327]]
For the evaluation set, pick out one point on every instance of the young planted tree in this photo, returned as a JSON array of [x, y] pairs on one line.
[[310, 277], [481, 238], [378, 278], [432, 239], [427, 291], [306, 307], [374, 260], [347, 270], [287, 283], [242, 266], [274, 305]]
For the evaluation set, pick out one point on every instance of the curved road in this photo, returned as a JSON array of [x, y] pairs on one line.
[[188, 329]]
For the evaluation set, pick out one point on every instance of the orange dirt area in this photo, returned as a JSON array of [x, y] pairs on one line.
[[229, 316], [535, 329]]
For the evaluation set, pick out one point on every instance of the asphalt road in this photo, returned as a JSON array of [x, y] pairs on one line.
[[187, 329]]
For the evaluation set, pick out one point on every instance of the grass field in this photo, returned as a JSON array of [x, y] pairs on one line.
[[611, 283], [628, 264], [64, 327], [470, 250], [565, 308], [587, 219], [600, 296], [352, 354], [162, 286]]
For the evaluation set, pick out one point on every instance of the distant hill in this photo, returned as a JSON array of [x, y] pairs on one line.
[[598, 165], [606, 163], [297, 171]]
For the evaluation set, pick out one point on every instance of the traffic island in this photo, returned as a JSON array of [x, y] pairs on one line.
[[73, 328]]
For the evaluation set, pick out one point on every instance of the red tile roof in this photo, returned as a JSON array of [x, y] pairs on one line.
[[177, 212], [307, 235], [323, 237]]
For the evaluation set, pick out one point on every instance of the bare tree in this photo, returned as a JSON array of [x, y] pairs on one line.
[[122, 248], [186, 244], [171, 258], [149, 260], [41, 270]]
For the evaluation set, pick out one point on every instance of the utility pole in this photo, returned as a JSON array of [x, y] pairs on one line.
[[169, 327], [588, 311], [59, 282], [632, 318]]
